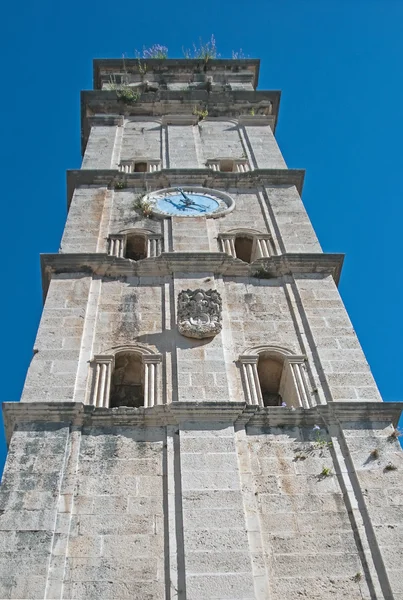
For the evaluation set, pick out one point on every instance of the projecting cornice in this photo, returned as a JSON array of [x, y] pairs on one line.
[[173, 177], [228, 103], [238, 413], [190, 262], [175, 69]]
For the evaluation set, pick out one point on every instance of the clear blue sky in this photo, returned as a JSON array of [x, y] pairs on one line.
[[339, 66]]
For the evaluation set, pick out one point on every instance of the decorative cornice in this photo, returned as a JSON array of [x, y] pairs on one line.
[[171, 177], [173, 65], [168, 263], [239, 413]]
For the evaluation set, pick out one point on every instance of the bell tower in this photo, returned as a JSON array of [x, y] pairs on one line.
[[198, 421]]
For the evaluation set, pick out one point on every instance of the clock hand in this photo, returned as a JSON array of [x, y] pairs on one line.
[[186, 199], [197, 207], [173, 204]]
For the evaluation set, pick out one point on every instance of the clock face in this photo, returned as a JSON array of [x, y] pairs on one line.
[[186, 203], [189, 202]]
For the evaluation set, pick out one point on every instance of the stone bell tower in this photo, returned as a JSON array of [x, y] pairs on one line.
[[198, 421]]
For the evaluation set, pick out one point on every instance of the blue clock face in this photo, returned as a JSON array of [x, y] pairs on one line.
[[179, 202]]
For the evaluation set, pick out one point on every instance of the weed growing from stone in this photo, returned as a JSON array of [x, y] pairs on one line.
[[261, 273], [143, 206], [320, 440], [326, 472], [202, 114], [203, 51], [127, 95], [120, 185], [396, 433], [390, 467], [357, 577], [238, 54], [155, 51]]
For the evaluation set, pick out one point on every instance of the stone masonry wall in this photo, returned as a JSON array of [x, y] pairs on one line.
[[217, 556], [141, 139], [127, 311], [307, 543], [345, 371], [377, 458], [96, 212], [83, 227], [123, 214], [263, 145], [259, 314], [52, 373], [29, 497], [247, 213], [188, 146], [199, 364], [293, 226], [220, 139], [100, 146], [182, 151], [114, 547]]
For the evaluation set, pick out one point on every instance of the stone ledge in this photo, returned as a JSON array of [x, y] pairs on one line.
[[173, 177], [80, 415], [164, 65], [169, 263]]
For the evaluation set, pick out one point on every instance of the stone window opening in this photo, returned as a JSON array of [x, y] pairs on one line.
[[247, 245], [135, 244], [127, 382], [243, 248], [272, 376], [129, 377], [269, 371], [142, 165], [228, 165]]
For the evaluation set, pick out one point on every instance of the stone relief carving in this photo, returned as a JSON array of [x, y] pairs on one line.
[[199, 313]]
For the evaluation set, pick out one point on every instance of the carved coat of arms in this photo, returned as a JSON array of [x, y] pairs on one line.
[[199, 313]]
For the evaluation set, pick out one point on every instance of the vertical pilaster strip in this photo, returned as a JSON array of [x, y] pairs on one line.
[[172, 582], [64, 518], [164, 147], [259, 569], [117, 147], [305, 338], [87, 340], [373, 565], [247, 147], [198, 146]]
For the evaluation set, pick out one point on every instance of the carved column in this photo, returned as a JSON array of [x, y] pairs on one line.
[[116, 245], [102, 372], [152, 395], [227, 244], [296, 364], [251, 379], [263, 246], [153, 246]]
